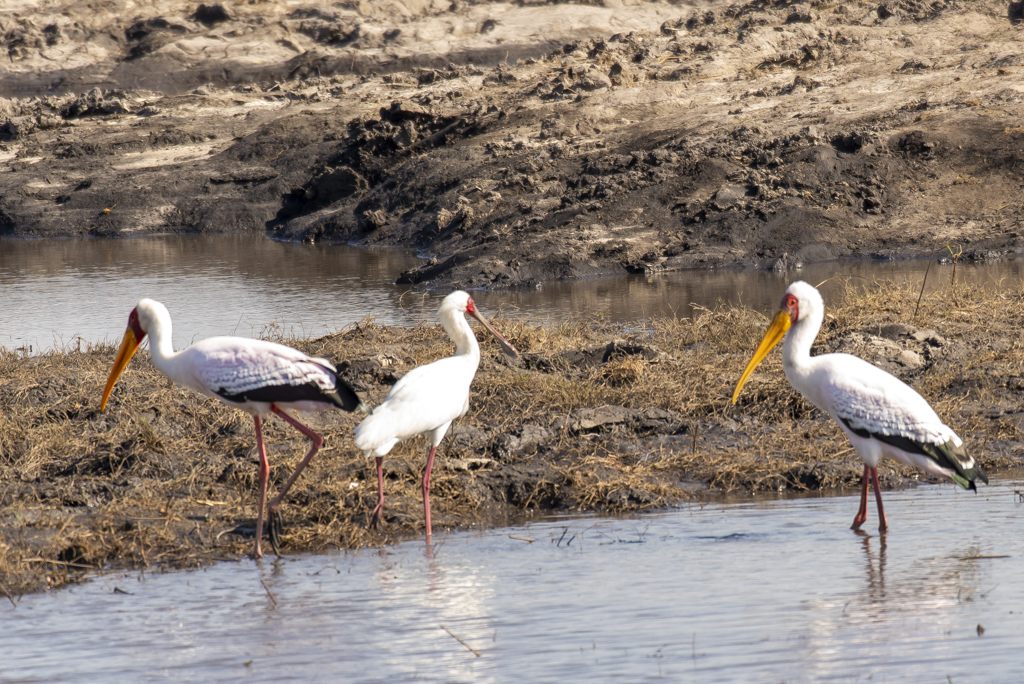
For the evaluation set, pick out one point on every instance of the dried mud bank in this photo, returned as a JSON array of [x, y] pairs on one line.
[[520, 142], [591, 419]]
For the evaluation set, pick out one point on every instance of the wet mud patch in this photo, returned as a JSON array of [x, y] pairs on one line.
[[516, 144]]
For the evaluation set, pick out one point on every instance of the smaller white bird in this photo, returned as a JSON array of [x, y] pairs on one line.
[[256, 376], [428, 398], [879, 413]]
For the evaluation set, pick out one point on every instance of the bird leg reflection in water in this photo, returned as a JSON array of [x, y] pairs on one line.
[[875, 568]]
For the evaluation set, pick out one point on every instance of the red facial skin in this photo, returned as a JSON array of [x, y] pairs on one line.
[[133, 323], [792, 306]]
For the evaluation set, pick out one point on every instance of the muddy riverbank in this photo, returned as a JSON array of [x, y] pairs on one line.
[[595, 417], [515, 143]]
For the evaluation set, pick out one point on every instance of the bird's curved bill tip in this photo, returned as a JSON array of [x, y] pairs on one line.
[[506, 346], [776, 331], [129, 345]]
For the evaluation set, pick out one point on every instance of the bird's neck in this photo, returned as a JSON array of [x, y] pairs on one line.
[[462, 335], [796, 350], [161, 349]]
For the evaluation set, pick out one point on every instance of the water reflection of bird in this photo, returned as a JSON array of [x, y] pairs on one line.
[[880, 414], [860, 630], [874, 569], [256, 376], [428, 398]]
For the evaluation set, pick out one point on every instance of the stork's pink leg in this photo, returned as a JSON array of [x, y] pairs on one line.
[[317, 441], [883, 522], [862, 512], [264, 477], [379, 508], [426, 489]]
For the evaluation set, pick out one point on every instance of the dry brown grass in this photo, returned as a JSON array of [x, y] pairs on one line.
[[591, 418]]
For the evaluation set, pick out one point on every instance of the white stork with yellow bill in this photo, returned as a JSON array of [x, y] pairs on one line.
[[256, 376], [880, 414]]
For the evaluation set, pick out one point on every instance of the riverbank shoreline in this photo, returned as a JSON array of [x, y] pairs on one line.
[[595, 417], [521, 143]]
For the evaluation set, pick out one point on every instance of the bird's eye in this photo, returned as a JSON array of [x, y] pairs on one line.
[[790, 304]]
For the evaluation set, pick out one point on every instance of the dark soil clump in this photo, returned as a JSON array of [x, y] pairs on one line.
[[514, 150]]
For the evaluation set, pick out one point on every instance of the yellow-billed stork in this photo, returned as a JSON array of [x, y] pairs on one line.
[[880, 414], [256, 376], [428, 398]]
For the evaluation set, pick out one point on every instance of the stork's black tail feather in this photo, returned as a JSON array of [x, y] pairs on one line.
[[955, 457], [345, 396], [975, 473], [951, 456]]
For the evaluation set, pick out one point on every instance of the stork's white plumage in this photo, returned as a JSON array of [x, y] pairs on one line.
[[256, 376], [880, 414], [428, 398]]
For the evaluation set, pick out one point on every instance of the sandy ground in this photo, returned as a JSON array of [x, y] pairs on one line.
[[519, 142]]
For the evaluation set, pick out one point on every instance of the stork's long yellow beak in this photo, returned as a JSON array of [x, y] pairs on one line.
[[129, 345], [776, 331]]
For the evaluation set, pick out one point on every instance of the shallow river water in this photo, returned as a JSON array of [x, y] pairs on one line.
[[752, 592], [777, 591], [58, 294]]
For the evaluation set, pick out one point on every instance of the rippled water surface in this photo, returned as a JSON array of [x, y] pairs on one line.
[[59, 293], [756, 592]]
